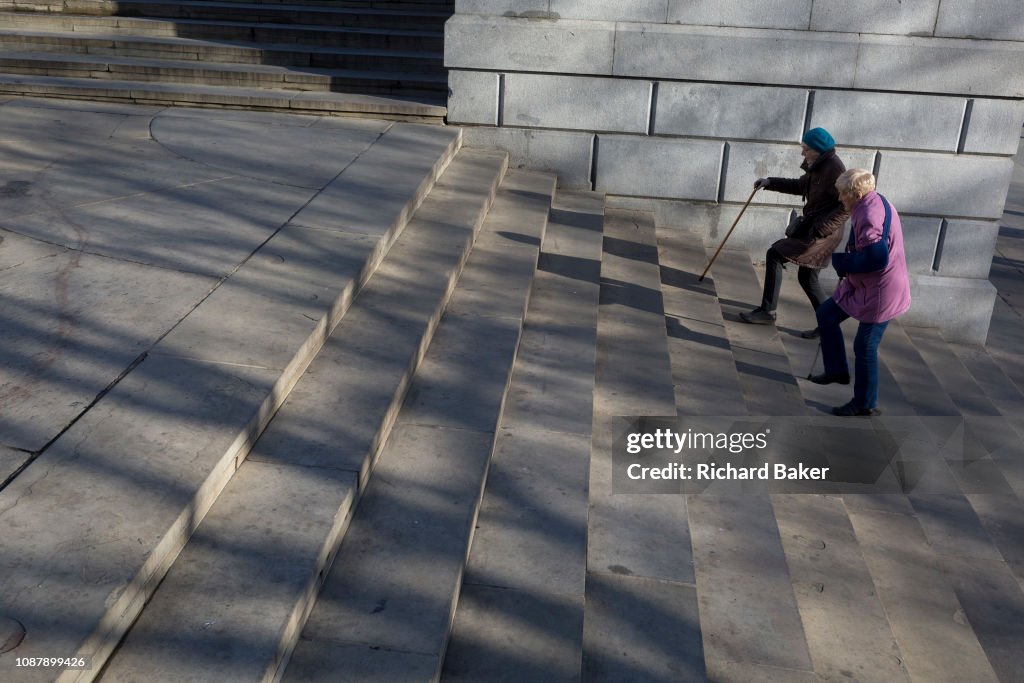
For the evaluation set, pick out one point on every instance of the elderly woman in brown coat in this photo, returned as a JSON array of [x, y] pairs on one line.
[[809, 243]]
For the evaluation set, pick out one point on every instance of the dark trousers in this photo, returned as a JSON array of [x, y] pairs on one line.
[[807, 277], [865, 352]]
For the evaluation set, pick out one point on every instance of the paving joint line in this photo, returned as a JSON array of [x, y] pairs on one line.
[[144, 354]]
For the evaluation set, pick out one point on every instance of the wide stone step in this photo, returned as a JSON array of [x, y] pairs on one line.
[[769, 387], [703, 370], [304, 475], [277, 13], [96, 521], [250, 76], [212, 51], [386, 607], [639, 550], [294, 101], [528, 559], [295, 34]]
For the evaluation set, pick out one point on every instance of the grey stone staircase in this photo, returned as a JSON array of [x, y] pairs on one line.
[[201, 396], [410, 478], [382, 60]]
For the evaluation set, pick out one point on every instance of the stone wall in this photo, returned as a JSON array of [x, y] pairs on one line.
[[678, 105]]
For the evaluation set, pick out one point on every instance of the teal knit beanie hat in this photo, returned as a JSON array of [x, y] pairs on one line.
[[818, 139]]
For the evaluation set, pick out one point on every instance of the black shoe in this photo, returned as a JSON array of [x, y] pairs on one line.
[[826, 378], [758, 316], [810, 334], [850, 410]]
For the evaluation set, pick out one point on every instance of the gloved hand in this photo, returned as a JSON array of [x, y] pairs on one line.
[[839, 263], [761, 182]]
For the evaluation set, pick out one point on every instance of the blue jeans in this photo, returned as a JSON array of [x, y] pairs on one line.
[[865, 350]]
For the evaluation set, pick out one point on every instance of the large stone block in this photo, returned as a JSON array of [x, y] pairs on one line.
[[875, 16], [658, 167], [993, 19], [794, 14], [920, 238], [735, 54], [940, 65], [758, 229], [473, 97], [967, 249], [510, 44], [502, 7], [945, 184], [887, 120], [566, 154], [961, 308], [578, 102], [611, 10], [994, 127], [729, 111], [749, 161]]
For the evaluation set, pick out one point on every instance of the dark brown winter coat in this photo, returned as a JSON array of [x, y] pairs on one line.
[[823, 213]]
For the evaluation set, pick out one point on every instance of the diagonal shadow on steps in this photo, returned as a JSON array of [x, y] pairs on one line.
[[765, 373], [677, 330]]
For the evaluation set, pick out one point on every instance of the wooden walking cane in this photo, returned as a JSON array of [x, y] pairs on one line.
[[756, 188]]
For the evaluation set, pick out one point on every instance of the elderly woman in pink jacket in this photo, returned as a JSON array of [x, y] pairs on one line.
[[874, 289]]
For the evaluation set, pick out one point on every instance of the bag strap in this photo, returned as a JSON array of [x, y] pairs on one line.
[[851, 242]]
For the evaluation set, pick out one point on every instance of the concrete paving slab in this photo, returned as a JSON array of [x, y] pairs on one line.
[[952, 375], [207, 228], [103, 169], [369, 358], [633, 365], [506, 250], [48, 124], [387, 184], [497, 281], [415, 520], [306, 432], [303, 280], [769, 387], [703, 370], [747, 606], [639, 629], [918, 384], [229, 602], [1003, 393], [914, 591], [1004, 338], [255, 148], [847, 632], [79, 559], [641, 536], [952, 527], [286, 292], [994, 606], [509, 636], [739, 672], [474, 346], [564, 290], [554, 371], [1003, 519], [531, 534], [357, 374], [72, 323], [316, 660]]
